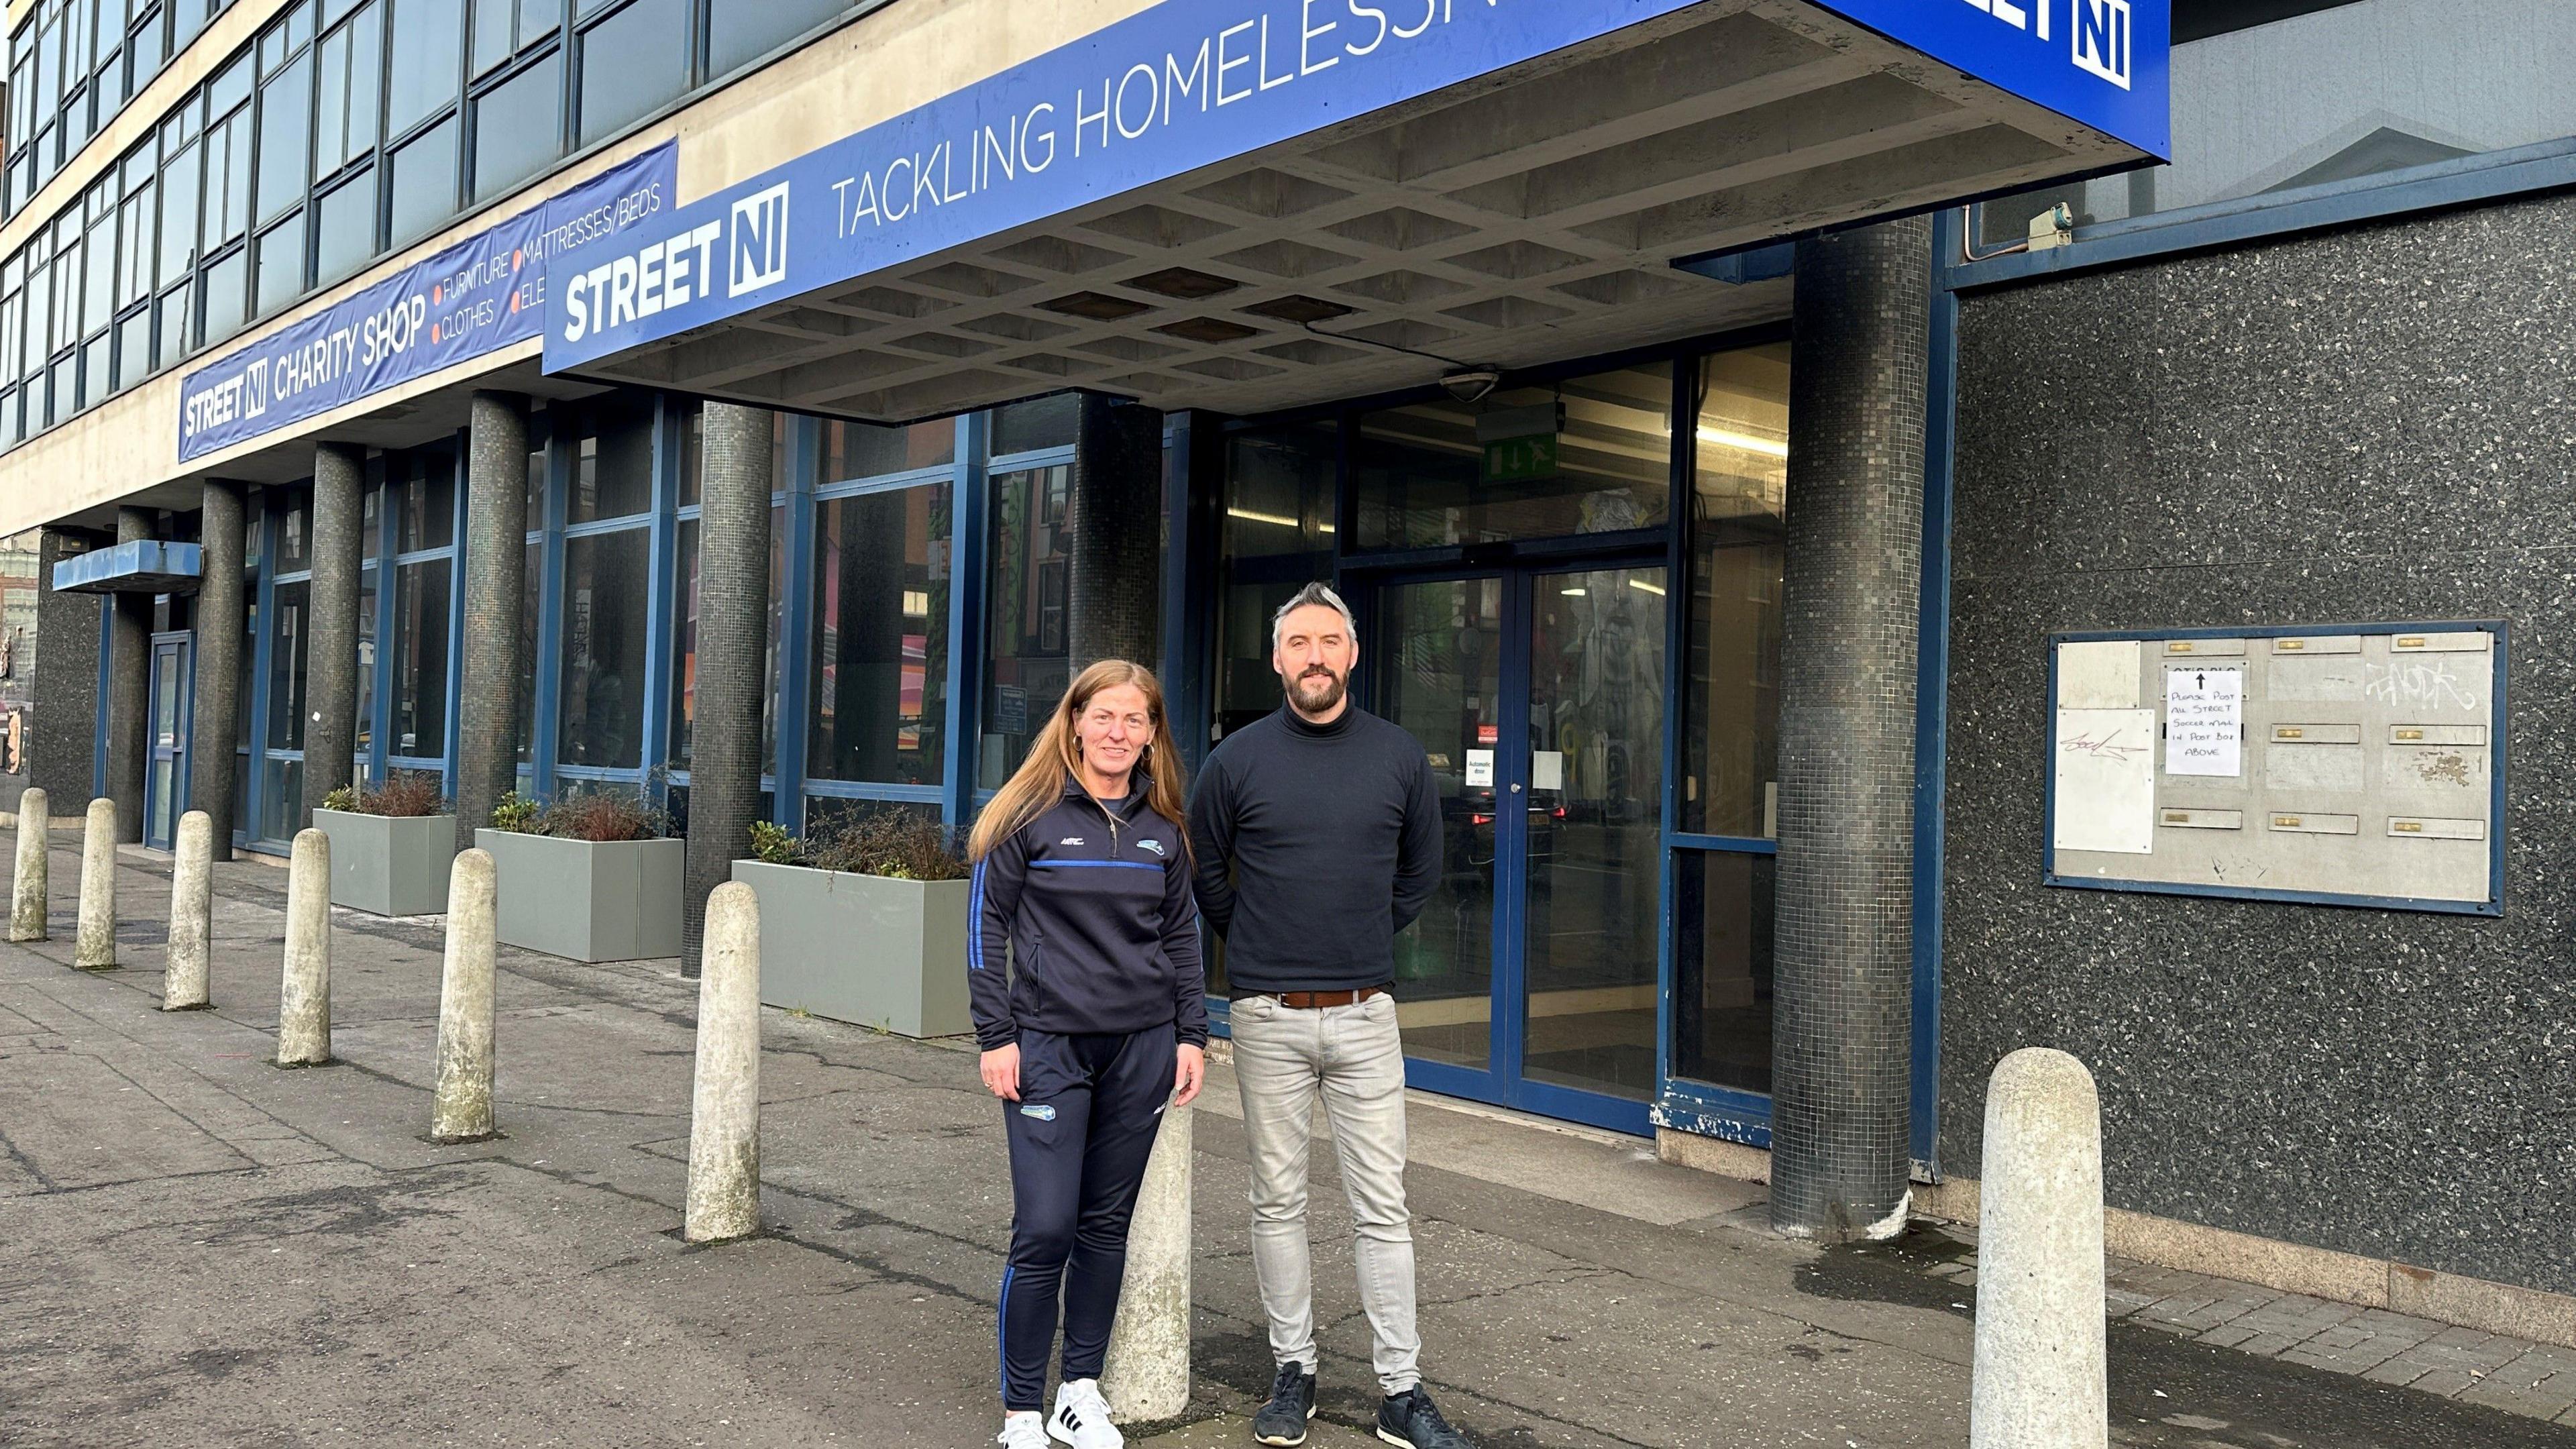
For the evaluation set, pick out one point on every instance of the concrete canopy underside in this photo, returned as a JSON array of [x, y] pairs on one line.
[[1530, 216]]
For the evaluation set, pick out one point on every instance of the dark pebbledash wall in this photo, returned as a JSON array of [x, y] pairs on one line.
[[2376, 424]]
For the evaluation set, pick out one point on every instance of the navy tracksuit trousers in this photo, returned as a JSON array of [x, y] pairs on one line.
[[1080, 1136]]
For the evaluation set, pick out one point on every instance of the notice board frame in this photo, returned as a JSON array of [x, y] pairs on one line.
[[2498, 766]]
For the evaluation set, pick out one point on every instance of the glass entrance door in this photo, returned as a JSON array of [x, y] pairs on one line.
[[165, 785], [1532, 977]]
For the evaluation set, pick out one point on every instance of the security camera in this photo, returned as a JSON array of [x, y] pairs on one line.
[[1471, 384]]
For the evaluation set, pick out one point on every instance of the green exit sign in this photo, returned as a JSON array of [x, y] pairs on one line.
[[1520, 460]]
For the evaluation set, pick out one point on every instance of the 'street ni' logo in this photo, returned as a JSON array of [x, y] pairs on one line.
[[759, 257], [2102, 39]]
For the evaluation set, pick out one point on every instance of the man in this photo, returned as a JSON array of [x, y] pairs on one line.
[[1317, 835]]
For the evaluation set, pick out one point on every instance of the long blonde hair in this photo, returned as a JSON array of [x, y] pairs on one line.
[[1056, 754]]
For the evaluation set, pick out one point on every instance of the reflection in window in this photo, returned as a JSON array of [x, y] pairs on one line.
[[1587, 455], [856, 450], [1276, 537], [881, 637], [421, 598], [1027, 661], [630, 67], [1722, 924], [424, 184], [286, 666], [684, 634], [2345, 92], [1731, 695], [1025, 427], [517, 129], [612, 474], [605, 586], [426, 41], [738, 33]]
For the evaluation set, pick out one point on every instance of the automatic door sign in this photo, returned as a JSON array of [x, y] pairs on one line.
[[2205, 722]]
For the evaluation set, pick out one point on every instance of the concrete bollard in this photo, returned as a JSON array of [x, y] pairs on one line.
[[304, 1003], [192, 916], [461, 1110], [94, 949], [1147, 1379], [2040, 1379], [35, 868], [724, 1111]]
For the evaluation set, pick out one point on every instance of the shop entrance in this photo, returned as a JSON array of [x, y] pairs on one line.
[[165, 784], [1538, 693]]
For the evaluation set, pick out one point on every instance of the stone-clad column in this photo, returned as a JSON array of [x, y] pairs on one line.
[[220, 618], [496, 568], [1115, 511], [733, 637], [331, 659], [1843, 990], [129, 689]]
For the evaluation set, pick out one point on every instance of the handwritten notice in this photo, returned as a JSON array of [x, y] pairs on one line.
[[2105, 769], [2205, 722]]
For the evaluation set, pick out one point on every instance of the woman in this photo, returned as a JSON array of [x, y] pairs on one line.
[[1082, 893]]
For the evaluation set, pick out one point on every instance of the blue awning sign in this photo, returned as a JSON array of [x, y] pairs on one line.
[[1183, 85], [480, 295], [143, 566]]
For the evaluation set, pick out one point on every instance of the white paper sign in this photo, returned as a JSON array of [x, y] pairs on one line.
[[2106, 781], [2205, 722], [1480, 767], [1547, 770]]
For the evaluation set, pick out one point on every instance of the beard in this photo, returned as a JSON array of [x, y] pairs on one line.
[[1318, 691]]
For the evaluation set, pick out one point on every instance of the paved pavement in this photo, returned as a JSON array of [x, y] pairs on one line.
[[197, 1248]]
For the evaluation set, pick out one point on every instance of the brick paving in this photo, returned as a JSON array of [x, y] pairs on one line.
[[2498, 1371]]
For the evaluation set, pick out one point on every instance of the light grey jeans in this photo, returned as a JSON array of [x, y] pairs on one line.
[[1351, 1056]]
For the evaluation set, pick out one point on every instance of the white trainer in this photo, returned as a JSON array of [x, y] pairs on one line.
[[1081, 1418], [1022, 1431]]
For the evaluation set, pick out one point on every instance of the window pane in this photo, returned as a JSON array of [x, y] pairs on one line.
[[1588, 455], [179, 212], [426, 40], [856, 450], [684, 633], [369, 582], [171, 341], [532, 592], [1722, 969], [352, 79], [605, 589], [1025, 427], [1731, 695], [2345, 92], [1027, 664], [227, 292], [281, 264], [517, 129], [1276, 538], [492, 33], [541, 18], [285, 135], [881, 637], [347, 225], [737, 33], [424, 183], [429, 504], [613, 463], [630, 65], [421, 598], [133, 349], [286, 667]]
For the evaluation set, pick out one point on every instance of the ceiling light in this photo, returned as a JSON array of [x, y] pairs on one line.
[[1726, 438], [1471, 384], [1643, 587], [1575, 593], [1248, 516]]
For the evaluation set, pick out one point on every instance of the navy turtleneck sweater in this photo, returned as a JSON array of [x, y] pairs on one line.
[[1315, 844]]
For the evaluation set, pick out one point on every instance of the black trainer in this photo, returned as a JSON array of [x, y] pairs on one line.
[[1292, 1403], [1410, 1419]]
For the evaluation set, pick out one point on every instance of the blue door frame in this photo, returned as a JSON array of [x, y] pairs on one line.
[[1502, 1082], [169, 747]]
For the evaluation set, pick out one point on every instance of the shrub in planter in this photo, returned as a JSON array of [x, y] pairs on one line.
[[391, 845], [865, 922], [589, 877]]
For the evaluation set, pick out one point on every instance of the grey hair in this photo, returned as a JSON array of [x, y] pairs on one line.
[[1313, 594]]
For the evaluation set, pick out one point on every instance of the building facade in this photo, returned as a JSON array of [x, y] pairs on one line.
[[765, 408]]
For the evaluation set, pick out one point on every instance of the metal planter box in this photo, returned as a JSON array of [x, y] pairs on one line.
[[588, 900], [389, 865], [863, 949]]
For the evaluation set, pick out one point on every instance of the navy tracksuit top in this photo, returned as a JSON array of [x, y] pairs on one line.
[[1092, 904]]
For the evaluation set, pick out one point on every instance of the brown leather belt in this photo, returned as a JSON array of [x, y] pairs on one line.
[[1314, 1000]]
